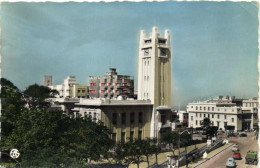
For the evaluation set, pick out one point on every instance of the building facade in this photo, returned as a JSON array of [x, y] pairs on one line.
[[71, 88], [127, 119], [47, 81], [111, 85], [223, 113]]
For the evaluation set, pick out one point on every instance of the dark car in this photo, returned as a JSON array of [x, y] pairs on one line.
[[243, 135]]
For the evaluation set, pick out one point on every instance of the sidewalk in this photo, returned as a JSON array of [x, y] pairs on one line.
[[162, 156], [210, 155]]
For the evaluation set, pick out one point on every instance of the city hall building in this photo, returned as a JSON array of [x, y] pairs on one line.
[[225, 113]]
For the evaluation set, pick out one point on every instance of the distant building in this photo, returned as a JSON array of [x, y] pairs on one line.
[[225, 113], [111, 85], [71, 88], [47, 81]]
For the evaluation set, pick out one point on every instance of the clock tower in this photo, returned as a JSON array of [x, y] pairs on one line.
[[154, 71]]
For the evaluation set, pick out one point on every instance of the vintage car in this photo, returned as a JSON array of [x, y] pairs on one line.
[[235, 148], [237, 155], [231, 163]]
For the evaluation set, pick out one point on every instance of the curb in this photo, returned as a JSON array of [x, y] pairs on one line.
[[212, 156]]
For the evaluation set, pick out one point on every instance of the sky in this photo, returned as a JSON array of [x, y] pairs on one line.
[[214, 44]]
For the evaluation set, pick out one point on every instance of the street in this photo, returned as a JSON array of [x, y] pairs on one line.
[[245, 144]]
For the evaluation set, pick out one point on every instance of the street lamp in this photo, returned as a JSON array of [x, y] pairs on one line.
[[185, 148]]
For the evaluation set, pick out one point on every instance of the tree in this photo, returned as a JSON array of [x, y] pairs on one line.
[[207, 126], [171, 138], [49, 139], [37, 94]]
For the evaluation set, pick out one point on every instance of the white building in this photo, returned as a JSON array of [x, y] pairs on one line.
[[154, 76], [224, 113]]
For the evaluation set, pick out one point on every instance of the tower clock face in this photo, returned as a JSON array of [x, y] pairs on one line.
[[163, 52], [146, 51]]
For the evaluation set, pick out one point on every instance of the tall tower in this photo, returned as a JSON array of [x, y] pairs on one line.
[[47, 80], [154, 75], [154, 69]]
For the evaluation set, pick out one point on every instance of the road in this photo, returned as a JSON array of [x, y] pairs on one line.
[[245, 144]]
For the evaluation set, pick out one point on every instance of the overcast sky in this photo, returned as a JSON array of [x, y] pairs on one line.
[[214, 43]]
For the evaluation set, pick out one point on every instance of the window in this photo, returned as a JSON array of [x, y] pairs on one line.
[[191, 118], [218, 123], [83, 91], [204, 108], [212, 115], [78, 91], [160, 41], [204, 115], [102, 84], [123, 118], [122, 137], [95, 116], [108, 84], [225, 125], [102, 91], [147, 41], [125, 84], [92, 91], [144, 77], [196, 114], [191, 106], [196, 122], [93, 84], [140, 117], [225, 117], [90, 115], [131, 136], [200, 108], [200, 114], [114, 118], [132, 118], [212, 108], [232, 119], [139, 135], [114, 137], [196, 107], [85, 115], [208, 108], [218, 116]]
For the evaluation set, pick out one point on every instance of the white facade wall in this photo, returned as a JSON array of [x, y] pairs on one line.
[[148, 77], [227, 114]]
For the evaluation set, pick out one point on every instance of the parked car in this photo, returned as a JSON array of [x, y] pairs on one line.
[[235, 148], [231, 163], [243, 135], [237, 155], [220, 132], [233, 134], [251, 157]]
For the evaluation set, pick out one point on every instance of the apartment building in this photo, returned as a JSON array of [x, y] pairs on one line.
[[111, 85], [71, 88], [225, 113]]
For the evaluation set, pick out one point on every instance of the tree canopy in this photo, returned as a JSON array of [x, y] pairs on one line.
[[47, 138]]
